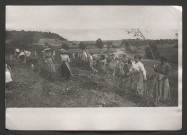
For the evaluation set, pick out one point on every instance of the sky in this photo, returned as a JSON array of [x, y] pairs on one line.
[[93, 22]]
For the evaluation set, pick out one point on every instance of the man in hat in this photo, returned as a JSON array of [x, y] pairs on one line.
[[163, 70], [65, 67]]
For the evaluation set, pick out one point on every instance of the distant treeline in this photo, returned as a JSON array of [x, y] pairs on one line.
[[132, 42], [140, 42], [31, 35], [22, 39]]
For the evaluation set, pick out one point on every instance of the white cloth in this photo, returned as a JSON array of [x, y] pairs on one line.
[[8, 76], [90, 57], [22, 53], [84, 54], [17, 50], [139, 67], [53, 53], [65, 57], [104, 61], [27, 53]]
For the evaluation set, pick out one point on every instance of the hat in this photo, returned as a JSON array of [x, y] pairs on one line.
[[138, 57], [47, 49], [62, 50], [163, 58]]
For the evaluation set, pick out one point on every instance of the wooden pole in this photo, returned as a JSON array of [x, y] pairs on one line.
[[147, 44]]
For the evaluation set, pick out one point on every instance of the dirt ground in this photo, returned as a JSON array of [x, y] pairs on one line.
[[30, 89], [86, 89]]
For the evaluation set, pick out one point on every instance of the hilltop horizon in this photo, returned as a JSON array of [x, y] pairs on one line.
[[93, 35]]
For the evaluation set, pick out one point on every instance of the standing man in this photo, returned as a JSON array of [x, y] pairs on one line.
[[163, 71]]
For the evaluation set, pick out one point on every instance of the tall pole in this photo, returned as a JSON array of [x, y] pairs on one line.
[[147, 44]]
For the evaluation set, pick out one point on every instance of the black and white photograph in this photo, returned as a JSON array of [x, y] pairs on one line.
[[92, 56]]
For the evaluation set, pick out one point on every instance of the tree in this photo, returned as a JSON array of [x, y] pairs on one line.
[[99, 43], [65, 46], [155, 51], [82, 46]]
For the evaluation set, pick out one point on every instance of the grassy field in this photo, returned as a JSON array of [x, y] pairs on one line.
[[94, 51], [167, 50]]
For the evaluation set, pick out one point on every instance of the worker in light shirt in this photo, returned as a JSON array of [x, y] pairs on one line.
[[138, 78], [8, 78], [65, 67]]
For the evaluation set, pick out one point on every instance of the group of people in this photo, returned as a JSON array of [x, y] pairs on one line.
[[133, 69], [124, 67], [22, 55], [48, 63]]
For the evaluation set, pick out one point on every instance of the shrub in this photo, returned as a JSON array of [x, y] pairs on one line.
[[99, 43], [82, 46]]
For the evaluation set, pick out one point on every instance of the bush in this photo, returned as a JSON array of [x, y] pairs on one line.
[[82, 46], [65, 46], [99, 43]]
